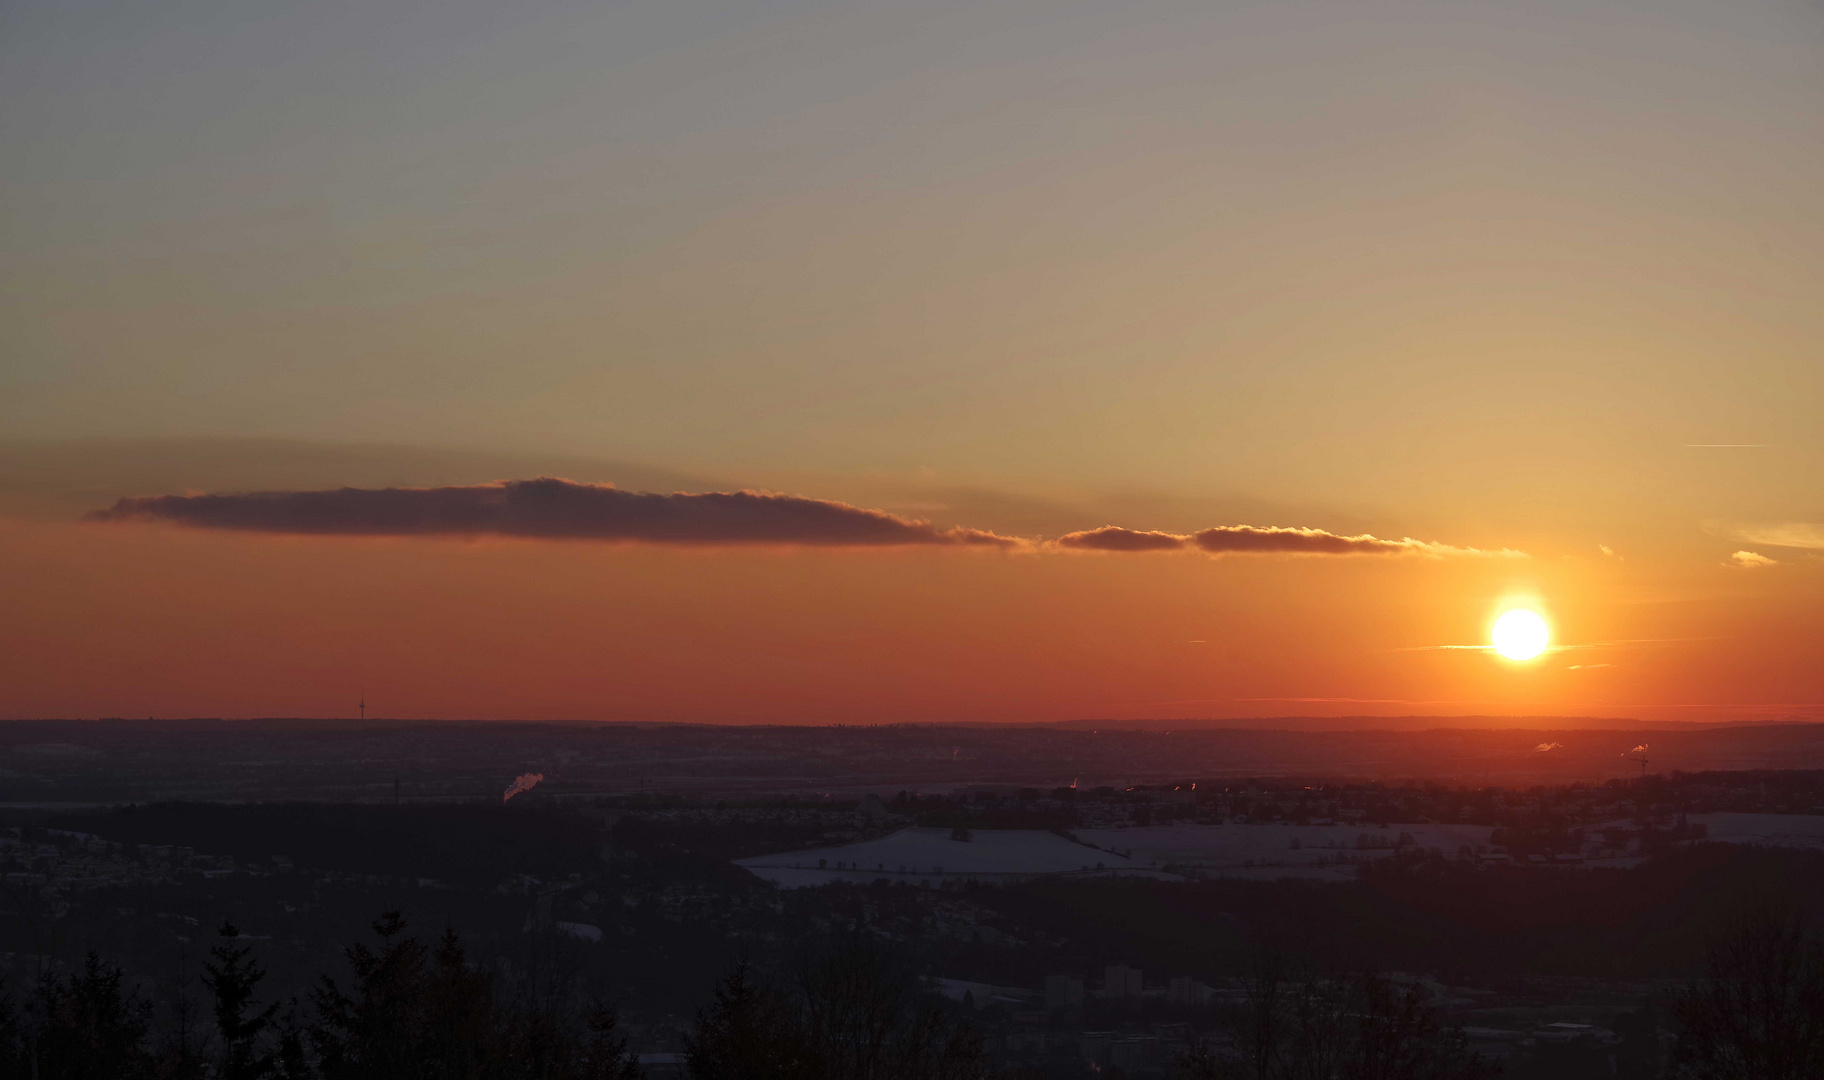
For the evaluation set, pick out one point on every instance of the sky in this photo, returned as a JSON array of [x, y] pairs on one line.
[[1523, 291]]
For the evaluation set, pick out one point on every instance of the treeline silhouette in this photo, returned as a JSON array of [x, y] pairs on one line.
[[1757, 1012], [850, 1010], [1301, 1023], [851, 1014], [408, 1010]]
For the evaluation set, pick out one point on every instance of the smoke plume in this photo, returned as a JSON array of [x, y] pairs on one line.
[[522, 784]]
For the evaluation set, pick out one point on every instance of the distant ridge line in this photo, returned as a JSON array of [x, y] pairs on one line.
[[1266, 724]]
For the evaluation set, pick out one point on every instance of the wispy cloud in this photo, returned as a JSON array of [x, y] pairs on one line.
[[1335, 700], [1261, 540], [552, 508], [1619, 643], [1751, 560], [1792, 534]]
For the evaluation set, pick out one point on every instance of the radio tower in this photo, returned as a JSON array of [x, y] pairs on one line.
[[364, 708]]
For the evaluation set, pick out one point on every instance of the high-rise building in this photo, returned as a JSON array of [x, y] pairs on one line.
[[1063, 991], [1121, 981]]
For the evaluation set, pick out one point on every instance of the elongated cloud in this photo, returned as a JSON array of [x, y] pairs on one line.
[[551, 508], [562, 509], [1259, 540]]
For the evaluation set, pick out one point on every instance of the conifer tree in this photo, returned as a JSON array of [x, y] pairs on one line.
[[232, 977]]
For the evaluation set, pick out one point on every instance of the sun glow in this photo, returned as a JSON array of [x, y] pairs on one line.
[[1520, 634]]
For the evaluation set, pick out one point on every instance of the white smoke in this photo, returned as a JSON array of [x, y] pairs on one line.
[[521, 784]]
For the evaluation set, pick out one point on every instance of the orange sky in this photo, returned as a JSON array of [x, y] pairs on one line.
[[1539, 278], [128, 619]]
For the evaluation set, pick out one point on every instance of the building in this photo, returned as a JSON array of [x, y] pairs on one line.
[[1121, 981], [1187, 991], [1063, 992]]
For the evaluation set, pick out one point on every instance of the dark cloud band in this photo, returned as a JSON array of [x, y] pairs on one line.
[[551, 508], [560, 509]]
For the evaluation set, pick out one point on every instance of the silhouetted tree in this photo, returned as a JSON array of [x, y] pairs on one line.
[[373, 1030], [182, 1058], [747, 1033], [292, 1059], [1396, 1037], [232, 977], [1758, 1012], [851, 1014], [412, 1013], [865, 1017], [88, 1028], [14, 1060], [1308, 1025]]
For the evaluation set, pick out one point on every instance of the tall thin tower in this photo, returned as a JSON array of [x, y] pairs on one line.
[[364, 708]]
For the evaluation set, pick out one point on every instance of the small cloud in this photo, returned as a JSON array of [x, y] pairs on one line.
[[1749, 560], [1547, 747], [1607, 551], [1586, 667], [1115, 538]]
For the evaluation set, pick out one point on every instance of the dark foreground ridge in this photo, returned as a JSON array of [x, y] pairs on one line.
[[1576, 930]]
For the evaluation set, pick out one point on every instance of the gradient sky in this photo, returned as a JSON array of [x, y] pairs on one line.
[[1539, 276]]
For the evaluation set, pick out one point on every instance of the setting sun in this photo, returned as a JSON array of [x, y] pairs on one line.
[[1520, 634]]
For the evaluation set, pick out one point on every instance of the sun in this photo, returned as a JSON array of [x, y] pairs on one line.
[[1520, 634]]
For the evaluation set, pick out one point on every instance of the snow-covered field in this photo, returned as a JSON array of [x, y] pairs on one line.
[[1804, 831], [1270, 851], [1262, 852], [930, 856]]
